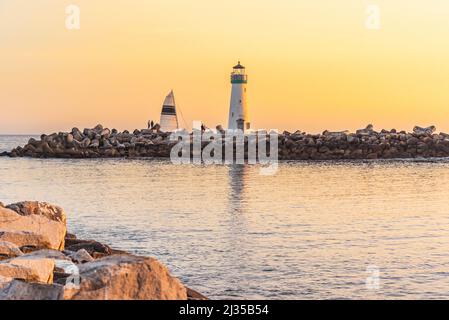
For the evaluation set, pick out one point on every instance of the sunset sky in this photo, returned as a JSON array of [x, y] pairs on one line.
[[312, 65]]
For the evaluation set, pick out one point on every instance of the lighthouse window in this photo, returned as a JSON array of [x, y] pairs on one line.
[[240, 101]]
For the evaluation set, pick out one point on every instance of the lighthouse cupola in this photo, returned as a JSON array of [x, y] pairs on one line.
[[238, 111], [238, 74]]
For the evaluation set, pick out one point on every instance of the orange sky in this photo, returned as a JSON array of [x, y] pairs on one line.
[[312, 65]]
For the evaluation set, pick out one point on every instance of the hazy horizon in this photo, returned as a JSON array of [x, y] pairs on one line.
[[312, 65]]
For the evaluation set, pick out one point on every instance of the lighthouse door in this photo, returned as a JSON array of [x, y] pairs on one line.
[[241, 124]]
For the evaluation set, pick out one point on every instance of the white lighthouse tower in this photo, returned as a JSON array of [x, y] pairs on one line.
[[238, 111]]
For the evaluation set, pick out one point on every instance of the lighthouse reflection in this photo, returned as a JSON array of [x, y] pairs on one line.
[[238, 176]]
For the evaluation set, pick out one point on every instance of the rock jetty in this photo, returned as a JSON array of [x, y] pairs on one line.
[[366, 143], [39, 260]]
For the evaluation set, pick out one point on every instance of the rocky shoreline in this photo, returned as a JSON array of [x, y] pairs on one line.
[[39, 260], [366, 143]]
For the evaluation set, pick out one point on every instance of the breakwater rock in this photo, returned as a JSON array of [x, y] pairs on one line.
[[39, 260], [365, 143]]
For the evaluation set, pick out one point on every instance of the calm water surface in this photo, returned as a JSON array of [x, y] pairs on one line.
[[310, 231]]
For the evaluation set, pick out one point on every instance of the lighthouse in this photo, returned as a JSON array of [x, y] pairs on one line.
[[238, 111]]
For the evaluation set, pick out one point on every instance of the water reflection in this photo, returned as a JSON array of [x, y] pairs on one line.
[[238, 176], [238, 237], [309, 231]]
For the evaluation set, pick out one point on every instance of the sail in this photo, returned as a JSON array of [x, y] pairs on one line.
[[169, 118]]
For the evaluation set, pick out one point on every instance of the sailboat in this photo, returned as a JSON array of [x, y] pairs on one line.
[[169, 118]]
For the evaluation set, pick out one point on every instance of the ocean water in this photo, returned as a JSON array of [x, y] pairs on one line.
[[323, 230]]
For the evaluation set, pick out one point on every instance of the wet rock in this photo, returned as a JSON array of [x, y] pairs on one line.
[[91, 246], [195, 295], [126, 277], [70, 236]]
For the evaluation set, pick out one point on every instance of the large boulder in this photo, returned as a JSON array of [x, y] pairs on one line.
[[26, 241], [27, 208], [33, 224], [28, 268], [11, 289], [126, 277]]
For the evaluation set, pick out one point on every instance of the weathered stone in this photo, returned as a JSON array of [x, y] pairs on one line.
[[106, 144], [368, 130], [94, 144], [41, 228], [28, 268], [26, 240], [81, 256], [91, 246], [126, 277], [105, 133], [372, 156], [9, 250], [98, 128], [69, 139], [27, 208], [195, 295], [70, 236], [77, 135], [429, 130], [11, 289]]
